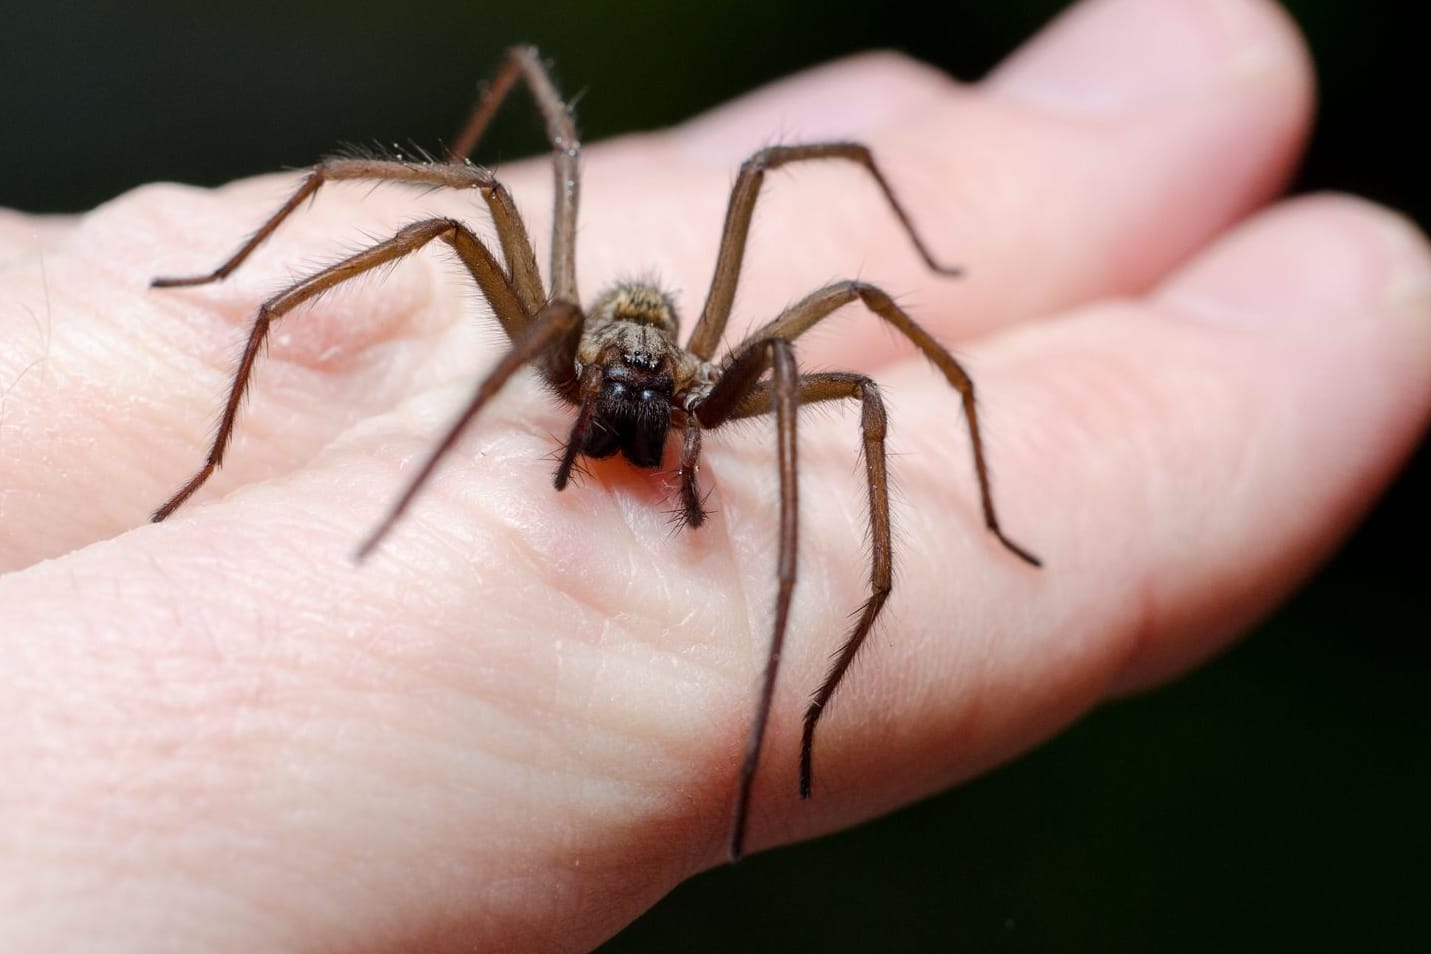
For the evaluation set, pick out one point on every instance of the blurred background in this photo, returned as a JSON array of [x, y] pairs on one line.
[[1276, 799]]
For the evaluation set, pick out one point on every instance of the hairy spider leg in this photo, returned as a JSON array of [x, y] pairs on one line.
[[746, 396], [692, 512], [742, 374], [525, 62], [522, 278], [590, 392], [484, 268], [705, 337], [557, 327], [874, 426], [805, 314], [511, 232], [458, 173]]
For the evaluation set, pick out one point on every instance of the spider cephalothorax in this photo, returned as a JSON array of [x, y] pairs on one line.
[[630, 337], [622, 366]]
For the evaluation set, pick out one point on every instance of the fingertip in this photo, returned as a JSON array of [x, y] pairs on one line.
[[1104, 58], [1313, 260]]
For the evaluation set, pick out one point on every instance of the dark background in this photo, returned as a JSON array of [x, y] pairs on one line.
[[1276, 799]]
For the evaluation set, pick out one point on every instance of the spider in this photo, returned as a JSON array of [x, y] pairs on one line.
[[620, 364]]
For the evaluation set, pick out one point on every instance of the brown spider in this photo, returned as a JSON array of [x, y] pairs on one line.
[[621, 365]]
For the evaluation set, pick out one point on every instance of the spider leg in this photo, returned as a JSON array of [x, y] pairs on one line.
[[590, 391], [557, 322], [525, 62], [803, 315], [740, 378], [833, 386], [511, 232], [739, 394], [485, 270], [711, 325], [692, 513]]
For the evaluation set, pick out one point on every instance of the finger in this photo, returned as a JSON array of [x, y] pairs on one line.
[[22, 236], [1179, 464]]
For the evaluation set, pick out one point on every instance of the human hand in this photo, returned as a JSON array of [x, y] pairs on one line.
[[519, 724]]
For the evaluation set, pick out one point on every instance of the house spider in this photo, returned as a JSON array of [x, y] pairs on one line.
[[620, 364]]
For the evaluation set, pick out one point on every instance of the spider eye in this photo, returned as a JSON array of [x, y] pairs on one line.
[[648, 395]]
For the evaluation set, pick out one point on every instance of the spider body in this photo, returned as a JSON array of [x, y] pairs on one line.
[[621, 365], [645, 375]]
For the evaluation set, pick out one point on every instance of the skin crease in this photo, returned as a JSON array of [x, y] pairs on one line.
[[519, 724]]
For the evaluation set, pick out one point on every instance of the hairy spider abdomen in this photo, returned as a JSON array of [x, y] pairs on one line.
[[636, 303]]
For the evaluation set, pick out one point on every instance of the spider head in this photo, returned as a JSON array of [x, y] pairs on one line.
[[633, 412]]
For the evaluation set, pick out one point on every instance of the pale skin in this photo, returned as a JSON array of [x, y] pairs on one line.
[[519, 723]]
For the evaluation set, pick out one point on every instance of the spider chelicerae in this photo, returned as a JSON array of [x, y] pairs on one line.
[[620, 364]]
